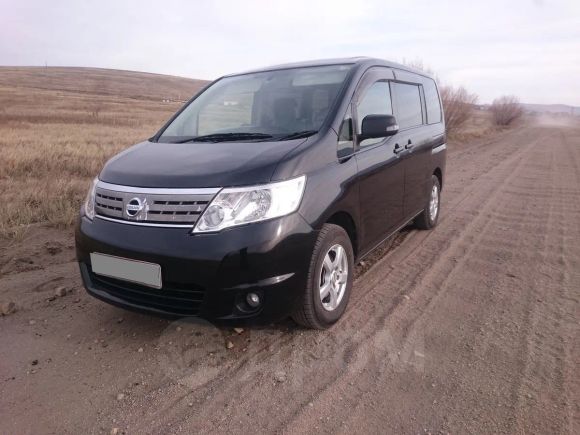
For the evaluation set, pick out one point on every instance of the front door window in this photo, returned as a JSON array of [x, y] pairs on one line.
[[375, 101]]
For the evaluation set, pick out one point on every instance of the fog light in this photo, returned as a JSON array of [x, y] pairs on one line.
[[253, 300]]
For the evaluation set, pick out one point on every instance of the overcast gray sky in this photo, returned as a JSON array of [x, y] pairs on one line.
[[530, 48]]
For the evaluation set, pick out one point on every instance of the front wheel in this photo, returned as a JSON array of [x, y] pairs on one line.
[[430, 214], [330, 278]]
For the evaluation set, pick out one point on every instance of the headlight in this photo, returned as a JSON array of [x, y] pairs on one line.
[[90, 200], [242, 205]]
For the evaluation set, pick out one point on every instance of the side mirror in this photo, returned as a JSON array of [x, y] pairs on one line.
[[378, 126]]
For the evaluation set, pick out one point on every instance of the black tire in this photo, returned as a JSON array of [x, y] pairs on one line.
[[425, 221], [311, 312]]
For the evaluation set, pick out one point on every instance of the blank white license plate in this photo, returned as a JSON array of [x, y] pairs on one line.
[[139, 272]]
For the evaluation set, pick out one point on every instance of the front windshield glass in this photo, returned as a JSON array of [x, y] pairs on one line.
[[274, 104]]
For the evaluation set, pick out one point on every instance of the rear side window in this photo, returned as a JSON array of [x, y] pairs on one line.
[[375, 101], [432, 102], [407, 105]]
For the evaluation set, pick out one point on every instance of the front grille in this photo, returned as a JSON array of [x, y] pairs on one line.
[[151, 206], [174, 298]]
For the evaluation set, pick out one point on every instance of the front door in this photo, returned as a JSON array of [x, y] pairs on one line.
[[380, 172]]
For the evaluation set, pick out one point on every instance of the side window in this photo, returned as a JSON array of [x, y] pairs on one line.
[[375, 101], [432, 102], [345, 136], [407, 105]]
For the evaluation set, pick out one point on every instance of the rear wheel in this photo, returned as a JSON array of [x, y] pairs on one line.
[[430, 215], [330, 279]]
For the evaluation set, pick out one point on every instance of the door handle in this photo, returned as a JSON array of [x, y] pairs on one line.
[[398, 148], [409, 145]]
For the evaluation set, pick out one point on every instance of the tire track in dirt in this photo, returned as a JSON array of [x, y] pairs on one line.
[[571, 236], [548, 370], [441, 269]]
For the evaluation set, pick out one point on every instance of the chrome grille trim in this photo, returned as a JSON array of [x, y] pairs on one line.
[[143, 224], [159, 190], [151, 206]]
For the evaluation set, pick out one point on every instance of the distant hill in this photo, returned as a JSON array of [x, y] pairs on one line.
[[146, 86], [98, 81], [552, 108]]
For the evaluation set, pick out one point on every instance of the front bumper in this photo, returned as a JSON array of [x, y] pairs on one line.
[[207, 275]]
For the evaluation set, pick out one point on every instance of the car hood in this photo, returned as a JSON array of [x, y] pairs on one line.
[[198, 164]]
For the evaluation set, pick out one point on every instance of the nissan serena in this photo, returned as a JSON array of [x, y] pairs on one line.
[[260, 195]]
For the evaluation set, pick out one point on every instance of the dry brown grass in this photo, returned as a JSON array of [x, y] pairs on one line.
[[506, 110], [458, 105], [58, 126], [479, 124]]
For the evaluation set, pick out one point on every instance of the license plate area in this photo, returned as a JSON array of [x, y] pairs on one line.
[[138, 272]]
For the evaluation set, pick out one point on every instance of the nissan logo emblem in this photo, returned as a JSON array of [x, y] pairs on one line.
[[133, 207]]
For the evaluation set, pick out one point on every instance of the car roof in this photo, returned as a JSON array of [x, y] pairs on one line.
[[359, 62]]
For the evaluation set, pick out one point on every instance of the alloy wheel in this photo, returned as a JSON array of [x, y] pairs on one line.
[[333, 277], [434, 203]]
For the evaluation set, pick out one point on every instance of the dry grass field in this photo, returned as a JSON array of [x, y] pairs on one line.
[[59, 125]]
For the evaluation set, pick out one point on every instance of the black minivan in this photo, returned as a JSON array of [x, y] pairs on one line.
[[260, 195]]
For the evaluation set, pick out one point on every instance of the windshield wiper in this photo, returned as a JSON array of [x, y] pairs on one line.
[[222, 137], [298, 134]]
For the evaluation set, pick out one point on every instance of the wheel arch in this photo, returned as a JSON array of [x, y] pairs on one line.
[[344, 220], [439, 174]]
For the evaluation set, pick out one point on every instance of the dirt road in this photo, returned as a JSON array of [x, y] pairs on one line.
[[470, 328]]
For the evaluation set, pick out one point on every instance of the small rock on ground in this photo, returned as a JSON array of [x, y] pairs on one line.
[[280, 376], [61, 291], [7, 308]]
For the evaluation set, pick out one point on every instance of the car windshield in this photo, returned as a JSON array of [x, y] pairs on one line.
[[271, 105]]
